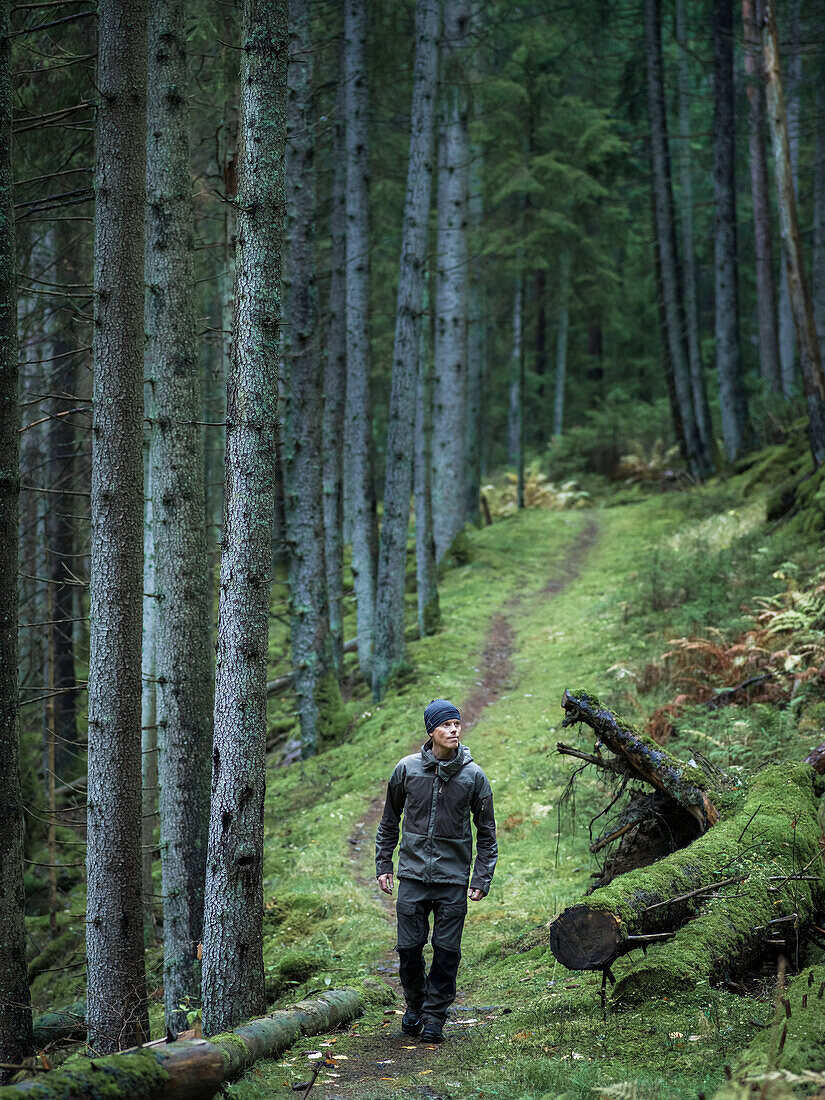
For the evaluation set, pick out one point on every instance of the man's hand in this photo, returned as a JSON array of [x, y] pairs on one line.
[[476, 894], [385, 882]]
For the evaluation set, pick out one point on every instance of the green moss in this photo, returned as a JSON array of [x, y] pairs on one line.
[[134, 1076], [333, 714], [431, 615]]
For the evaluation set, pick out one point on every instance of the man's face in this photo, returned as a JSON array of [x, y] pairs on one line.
[[446, 737]]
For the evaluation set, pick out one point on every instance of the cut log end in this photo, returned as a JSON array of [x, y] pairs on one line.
[[584, 938]]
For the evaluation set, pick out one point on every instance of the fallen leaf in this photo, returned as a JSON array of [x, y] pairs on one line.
[[424, 1072], [386, 1062]]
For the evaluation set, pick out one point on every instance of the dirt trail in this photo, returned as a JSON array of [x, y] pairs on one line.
[[371, 1062]]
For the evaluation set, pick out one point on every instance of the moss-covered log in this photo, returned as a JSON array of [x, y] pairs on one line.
[[685, 783], [60, 1025], [190, 1070], [767, 848], [791, 1051]]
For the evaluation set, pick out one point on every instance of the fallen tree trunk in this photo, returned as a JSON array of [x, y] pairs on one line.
[[61, 1025], [708, 907], [686, 784], [193, 1069]]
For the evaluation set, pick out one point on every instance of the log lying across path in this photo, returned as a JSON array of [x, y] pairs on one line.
[[194, 1069], [750, 883]]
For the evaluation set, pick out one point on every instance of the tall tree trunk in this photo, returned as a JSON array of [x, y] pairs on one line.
[[116, 1011], [475, 308], [763, 237], [426, 574], [561, 342], [694, 454], [16, 1041], [449, 398], [818, 262], [316, 685], [733, 400], [701, 407], [150, 819], [358, 423], [182, 658], [389, 651], [793, 87], [335, 383], [233, 977], [62, 537], [515, 415], [813, 378]]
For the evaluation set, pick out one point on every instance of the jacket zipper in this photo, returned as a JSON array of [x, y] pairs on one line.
[[431, 827]]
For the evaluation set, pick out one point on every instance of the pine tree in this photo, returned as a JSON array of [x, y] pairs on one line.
[[16, 1041], [733, 402], [389, 648], [450, 391], [316, 686], [358, 415], [233, 977], [116, 998], [181, 592]]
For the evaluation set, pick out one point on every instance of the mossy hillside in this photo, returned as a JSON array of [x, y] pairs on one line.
[[601, 630]]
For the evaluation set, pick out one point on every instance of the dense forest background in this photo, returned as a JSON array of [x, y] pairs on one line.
[[295, 297]]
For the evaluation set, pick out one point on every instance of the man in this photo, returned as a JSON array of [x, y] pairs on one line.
[[437, 790]]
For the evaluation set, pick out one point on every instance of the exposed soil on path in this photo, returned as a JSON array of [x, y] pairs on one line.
[[376, 1064]]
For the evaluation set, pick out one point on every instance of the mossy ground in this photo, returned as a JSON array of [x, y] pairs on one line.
[[592, 598]]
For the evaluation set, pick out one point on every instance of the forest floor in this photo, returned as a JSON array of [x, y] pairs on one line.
[[546, 600]]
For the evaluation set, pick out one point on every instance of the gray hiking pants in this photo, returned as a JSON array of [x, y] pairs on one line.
[[433, 993]]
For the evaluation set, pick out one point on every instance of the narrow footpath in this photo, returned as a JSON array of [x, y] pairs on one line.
[[379, 1063]]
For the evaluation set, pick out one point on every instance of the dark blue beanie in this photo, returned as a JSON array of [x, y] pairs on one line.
[[438, 712]]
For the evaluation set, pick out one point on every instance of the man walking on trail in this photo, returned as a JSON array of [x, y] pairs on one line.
[[437, 790]]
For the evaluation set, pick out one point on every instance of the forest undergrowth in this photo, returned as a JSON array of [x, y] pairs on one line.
[[679, 596]]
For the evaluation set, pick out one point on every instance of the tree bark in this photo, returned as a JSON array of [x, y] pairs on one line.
[[316, 685], [150, 819], [15, 1005], [476, 287], [813, 378], [426, 573], [335, 383], [561, 342], [515, 414], [61, 528], [818, 262], [390, 651], [182, 658], [673, 307], [793, 85], [358, 426], [450, 391], [114, 917], [233, 978], [733, 401], [763, 237], [701, 407]]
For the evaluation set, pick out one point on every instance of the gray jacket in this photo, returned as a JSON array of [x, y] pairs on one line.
[[437, 799]]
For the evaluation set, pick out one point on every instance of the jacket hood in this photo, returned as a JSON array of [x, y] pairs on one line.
[[446, 768]]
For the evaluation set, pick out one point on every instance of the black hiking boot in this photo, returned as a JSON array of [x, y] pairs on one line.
[[411, 1022], [433, 1031]]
